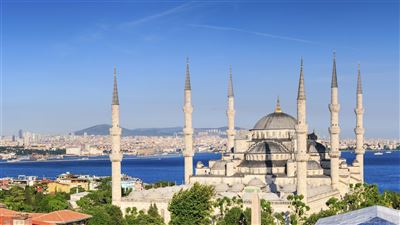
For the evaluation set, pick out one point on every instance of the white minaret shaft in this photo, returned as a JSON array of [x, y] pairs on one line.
[[334, 128], [301, 134], [230, 113], [255, 209], [116, 156], [359, 130], [188, 128]]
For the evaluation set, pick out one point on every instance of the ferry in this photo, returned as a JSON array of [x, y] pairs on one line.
[[378, 153]]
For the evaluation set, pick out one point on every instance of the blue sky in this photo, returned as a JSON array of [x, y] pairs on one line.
[[58, 59]]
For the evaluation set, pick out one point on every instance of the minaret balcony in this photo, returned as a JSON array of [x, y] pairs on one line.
[[187, 153], [301, 128], [116, 157], [188, 109], [334, 108], [115, 131], [334, 154], [302, 157], [359, 111], [230, 132], [359, 130], [230, 112], [188, 131], [334, 129]]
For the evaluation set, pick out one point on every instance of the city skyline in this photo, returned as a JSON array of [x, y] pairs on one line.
[[63, 81]]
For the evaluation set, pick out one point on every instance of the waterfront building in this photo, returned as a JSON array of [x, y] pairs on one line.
[[276, 158]]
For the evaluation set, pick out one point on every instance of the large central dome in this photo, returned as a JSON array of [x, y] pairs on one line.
[[276, 120]]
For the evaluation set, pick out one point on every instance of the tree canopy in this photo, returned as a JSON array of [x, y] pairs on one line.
[[192, 206]]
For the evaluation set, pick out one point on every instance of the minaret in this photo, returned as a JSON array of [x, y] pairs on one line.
[[359, 130], [334, 128], [188, 129], [301, 134], [230, 112], [116, 156]]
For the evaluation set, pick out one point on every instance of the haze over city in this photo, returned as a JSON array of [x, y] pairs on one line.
[[63, 80]]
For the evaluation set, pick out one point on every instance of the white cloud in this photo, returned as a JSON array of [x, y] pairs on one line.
[[252, 32]]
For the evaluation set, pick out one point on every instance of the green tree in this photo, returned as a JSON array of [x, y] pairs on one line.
[[151, 218], [299, 209], [234, 215], [192, 206], [99, 216]]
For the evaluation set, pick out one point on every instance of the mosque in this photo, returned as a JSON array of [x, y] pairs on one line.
[[276, 158]]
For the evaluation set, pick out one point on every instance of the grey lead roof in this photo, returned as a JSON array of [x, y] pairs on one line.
[[274, 121], [267, 147], [115, 100], [359, 87], [366, 216], [187, 80], [334, 83], [301, 95], [230, 84]]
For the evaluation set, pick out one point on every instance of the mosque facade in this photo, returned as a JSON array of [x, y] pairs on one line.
[[276, 158]]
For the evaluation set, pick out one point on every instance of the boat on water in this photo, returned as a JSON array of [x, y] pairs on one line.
[[378, 153], [388, 152]]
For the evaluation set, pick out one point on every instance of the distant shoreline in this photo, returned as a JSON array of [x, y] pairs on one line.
[[103, 158], [132, 157]]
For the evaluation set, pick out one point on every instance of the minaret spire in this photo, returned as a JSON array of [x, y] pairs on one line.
[[230, 113], [359, 86], [115, 100], [187, 80], [301, 137], [334, 82], [301, 95], [230, 85]]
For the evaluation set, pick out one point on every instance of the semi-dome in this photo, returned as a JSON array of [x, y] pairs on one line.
[[268, 147], [238, 187], [256, 182], [222, 187], [276, 120]]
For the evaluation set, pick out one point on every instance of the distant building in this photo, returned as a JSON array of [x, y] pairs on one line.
[[73, 151], [20, 134]]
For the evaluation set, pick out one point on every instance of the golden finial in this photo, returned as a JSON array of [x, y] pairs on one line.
[[278, 106]]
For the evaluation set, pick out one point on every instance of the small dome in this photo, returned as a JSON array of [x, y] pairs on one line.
[[199, 165], [343, 164], [219, 165], [154, 195], [313, 165], [222, 187], [276, 121], [256, 182], [136, 195], [237, 187]]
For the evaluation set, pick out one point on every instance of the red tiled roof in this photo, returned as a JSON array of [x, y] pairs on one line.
[[7, 212], [60, 217]]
